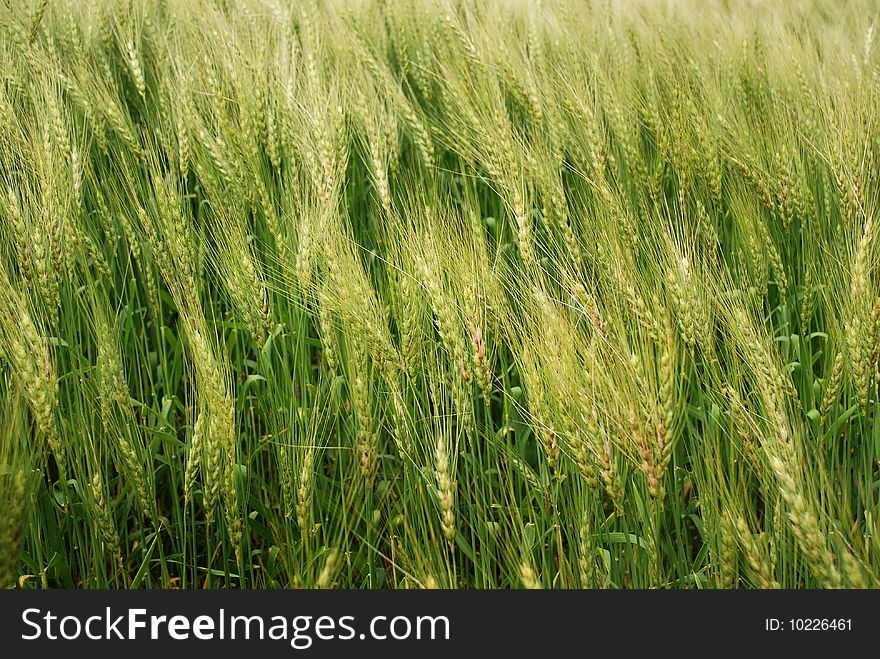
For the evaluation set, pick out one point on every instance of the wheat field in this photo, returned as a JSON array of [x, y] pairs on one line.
[[439, 294]]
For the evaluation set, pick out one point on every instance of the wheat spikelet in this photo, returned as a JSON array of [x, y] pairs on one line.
[[367, 435], [328, 570], [860, 326], [757, 557], [445, 488], [104, 519], [482, 370], [528, 577], [13, 489], [193, 458], [304, 492], [805, 524], [525, 235], [327, 332], [137, 70], [727, 553], [834, 385], [29, 354]]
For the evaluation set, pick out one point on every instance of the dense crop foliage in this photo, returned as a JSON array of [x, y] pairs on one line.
[[439, 293]]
